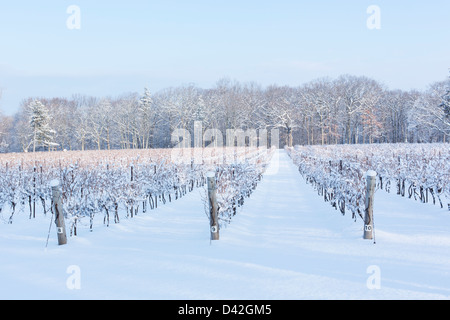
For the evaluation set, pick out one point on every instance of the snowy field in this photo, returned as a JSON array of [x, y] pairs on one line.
[[285, 243]]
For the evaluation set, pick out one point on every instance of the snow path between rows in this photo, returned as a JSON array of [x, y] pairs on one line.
[[285, 243]]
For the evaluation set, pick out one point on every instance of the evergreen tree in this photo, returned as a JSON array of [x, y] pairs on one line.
[[42, 134], [146, 101], [446, 101], [146, 119], [200, 112]]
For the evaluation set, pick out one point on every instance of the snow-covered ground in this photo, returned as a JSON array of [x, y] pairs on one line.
[[285, 243]]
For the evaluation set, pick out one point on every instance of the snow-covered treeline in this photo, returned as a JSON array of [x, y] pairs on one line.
[[417, 171], [345, 110], [119, 183]]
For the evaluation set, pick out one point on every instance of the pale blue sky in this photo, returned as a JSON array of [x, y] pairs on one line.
[[123, 46]]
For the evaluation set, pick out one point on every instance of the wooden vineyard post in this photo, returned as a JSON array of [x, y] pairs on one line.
[[214, 223], [34, 192], [368, 217], [58, 211]]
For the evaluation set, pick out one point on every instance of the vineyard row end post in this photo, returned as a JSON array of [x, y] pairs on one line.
[[368, 216], [214, 223], [58, 211]]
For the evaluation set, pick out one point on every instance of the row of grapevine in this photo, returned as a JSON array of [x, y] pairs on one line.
[[236, 181], [419, 171]]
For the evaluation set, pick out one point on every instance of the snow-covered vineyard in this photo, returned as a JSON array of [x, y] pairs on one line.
[[225, 150], [420, 172], [121, 184], [138, 224]]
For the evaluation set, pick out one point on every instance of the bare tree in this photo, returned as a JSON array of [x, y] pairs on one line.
[[81, 119], [429, 114], [5, 127], [371, 113], [282, 109], [319, 100], [356, 94], [395, 107]]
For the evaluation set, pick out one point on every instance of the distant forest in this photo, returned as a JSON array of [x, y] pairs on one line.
[[346, 110]]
